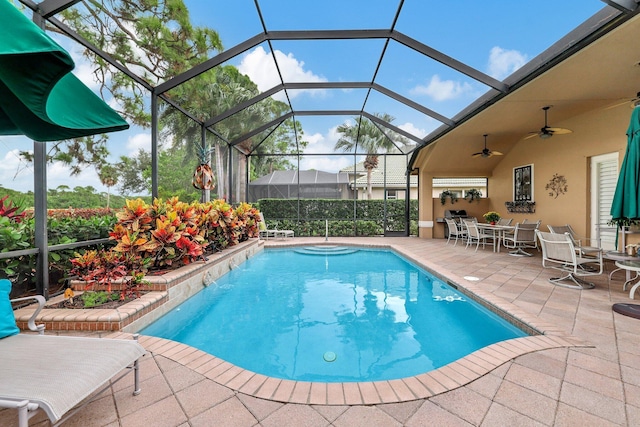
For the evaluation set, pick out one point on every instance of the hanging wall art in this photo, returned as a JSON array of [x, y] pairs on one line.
[[556, 186]]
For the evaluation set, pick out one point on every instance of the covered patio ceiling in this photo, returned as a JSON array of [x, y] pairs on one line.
[[580, 66], [603, 75]]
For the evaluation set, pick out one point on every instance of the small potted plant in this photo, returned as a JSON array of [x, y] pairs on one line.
[[492, 217], [450, 194], [473, 194]]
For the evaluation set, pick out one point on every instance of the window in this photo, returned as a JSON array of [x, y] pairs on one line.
[[459, 186]]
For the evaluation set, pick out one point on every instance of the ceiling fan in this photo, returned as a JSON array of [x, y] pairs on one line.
[[633, 102], [486, 152], [546, 131]]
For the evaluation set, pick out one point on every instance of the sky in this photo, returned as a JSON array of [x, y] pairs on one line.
[[495, 37]]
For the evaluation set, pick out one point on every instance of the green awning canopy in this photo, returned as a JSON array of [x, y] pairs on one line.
[[626, 200], [39, 96]]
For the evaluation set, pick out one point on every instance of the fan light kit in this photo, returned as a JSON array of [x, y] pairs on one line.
[[547, 131], [486, 152]]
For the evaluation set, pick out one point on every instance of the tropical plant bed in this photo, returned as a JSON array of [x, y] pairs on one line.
[[183, 283], [91, 300]]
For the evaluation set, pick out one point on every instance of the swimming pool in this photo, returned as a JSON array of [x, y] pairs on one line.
[[310, 315]]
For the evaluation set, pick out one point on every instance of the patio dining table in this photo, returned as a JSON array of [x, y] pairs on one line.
[[497, 231], [630, 266]]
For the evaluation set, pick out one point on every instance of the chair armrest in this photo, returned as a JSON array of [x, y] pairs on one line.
[[32, 320]]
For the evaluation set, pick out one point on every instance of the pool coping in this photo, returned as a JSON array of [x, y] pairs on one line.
[[447, 378]]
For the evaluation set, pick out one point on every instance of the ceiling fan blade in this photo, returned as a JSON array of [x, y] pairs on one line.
[[632, 102], [497, 153], [531, 135], [559, 131], [476, 154], [618, 104]]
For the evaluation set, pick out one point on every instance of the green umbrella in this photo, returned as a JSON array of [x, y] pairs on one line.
[[39, 96], [626, 202]]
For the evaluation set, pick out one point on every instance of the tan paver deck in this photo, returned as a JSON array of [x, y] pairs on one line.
[[584, 371]]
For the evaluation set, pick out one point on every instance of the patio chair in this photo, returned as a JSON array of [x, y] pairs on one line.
[[578, 242], [524, 236], [56, 373], [559, 252], [474, 234], [505, 221], [265, 233], [455, 230]]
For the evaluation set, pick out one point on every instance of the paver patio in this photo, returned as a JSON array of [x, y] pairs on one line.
[[595, 385]]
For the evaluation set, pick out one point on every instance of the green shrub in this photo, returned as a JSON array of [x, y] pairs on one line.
[[283, 214], [63, 226], [93, 299]]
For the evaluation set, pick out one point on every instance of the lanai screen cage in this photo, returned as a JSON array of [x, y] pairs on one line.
[[249, 87], [293, 184]]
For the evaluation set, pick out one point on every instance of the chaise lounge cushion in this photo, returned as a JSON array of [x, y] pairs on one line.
[[8, 325], [58, 372]]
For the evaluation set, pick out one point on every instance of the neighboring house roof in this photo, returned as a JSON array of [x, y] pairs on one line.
[[309, 177], [396, 167], [459, 182]]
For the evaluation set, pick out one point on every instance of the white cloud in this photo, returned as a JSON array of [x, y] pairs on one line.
[[410, 127], [324, 144], [326, 164], [84, 72], [15, 173], [442, 90], [503, 62], [10, 160], [319, 143], [60, 174], [138, 141], [259, 66]]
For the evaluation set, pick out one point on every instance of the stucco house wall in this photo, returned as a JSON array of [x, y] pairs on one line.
[[594, 133]]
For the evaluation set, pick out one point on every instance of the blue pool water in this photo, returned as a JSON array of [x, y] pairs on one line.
[[356, 315]]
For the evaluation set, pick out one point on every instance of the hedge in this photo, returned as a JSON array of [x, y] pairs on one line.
[[283, 214]]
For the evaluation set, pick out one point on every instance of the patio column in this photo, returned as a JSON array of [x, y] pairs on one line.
[[154, 145], [41, 239], [40, 216]]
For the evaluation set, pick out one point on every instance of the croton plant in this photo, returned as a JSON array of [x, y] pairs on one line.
[[166, 234]]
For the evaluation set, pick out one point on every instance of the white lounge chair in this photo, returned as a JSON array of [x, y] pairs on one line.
[[265, 233], [56, 373]]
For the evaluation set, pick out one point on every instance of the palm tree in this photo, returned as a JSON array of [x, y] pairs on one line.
[[367, 136], [227, 95], [108, 177]]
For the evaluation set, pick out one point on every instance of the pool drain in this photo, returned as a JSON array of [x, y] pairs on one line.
[[329, 356]]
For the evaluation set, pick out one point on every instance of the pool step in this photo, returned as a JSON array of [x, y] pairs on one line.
[[326, 250]]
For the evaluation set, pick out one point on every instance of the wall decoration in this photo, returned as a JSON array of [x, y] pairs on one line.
[[523, 183], [557, 185], [522, 207]]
